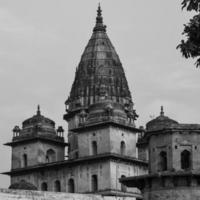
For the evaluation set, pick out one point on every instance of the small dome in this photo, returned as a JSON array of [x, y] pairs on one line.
[[160, 122], [22, 185], [38, 120], [38, 126]]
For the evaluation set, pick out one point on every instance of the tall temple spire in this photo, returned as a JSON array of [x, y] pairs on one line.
[[99, 20], [100, 77]]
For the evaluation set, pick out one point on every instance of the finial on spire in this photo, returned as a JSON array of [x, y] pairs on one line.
[[162, 111], [99, 10], [38, 109], [99, 20]]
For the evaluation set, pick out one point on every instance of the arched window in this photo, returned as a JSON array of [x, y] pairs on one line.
[[198, 181], [94, 148], [69, 149], [162, 161], [25, 160], [123, 148], [163, 181], [50, 156], [44, 186], [57, 186], [175, 181], [76, 155], [71, 186], [123, 187], [149, 182], [185, 159], [94, 183]]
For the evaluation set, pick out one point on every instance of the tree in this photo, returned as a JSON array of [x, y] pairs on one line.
[[190, 47]]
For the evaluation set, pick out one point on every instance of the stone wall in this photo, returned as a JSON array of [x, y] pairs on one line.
[[117, 135], [36, 153], [120, 169], [157, 144], [108, 174], [181, 193], [6, 194], [80, 173], [186, 140], [100, 136], [174, 143], [108, 140]]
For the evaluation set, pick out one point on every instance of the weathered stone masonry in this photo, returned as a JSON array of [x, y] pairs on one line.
[[102, 135], [174, 161]]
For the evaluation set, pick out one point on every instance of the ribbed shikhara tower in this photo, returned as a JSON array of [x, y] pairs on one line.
[[100, 114], [100, 92]]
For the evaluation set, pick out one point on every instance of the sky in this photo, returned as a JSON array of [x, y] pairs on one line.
[[42, 42]]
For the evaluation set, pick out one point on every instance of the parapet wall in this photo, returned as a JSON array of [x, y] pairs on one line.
[[6, 194], [177, 193]]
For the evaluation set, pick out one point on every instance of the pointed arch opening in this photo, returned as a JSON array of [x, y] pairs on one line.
[[71, 186], [44, 186], [185, 160], [198, 181], [162, 161], [25, 160], [50, 156], [122, 148], [94, 148], [57, 186], [123, 187], [94, 183]]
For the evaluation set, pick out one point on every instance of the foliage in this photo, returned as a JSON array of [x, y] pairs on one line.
[[191, 46], [191, 5]]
